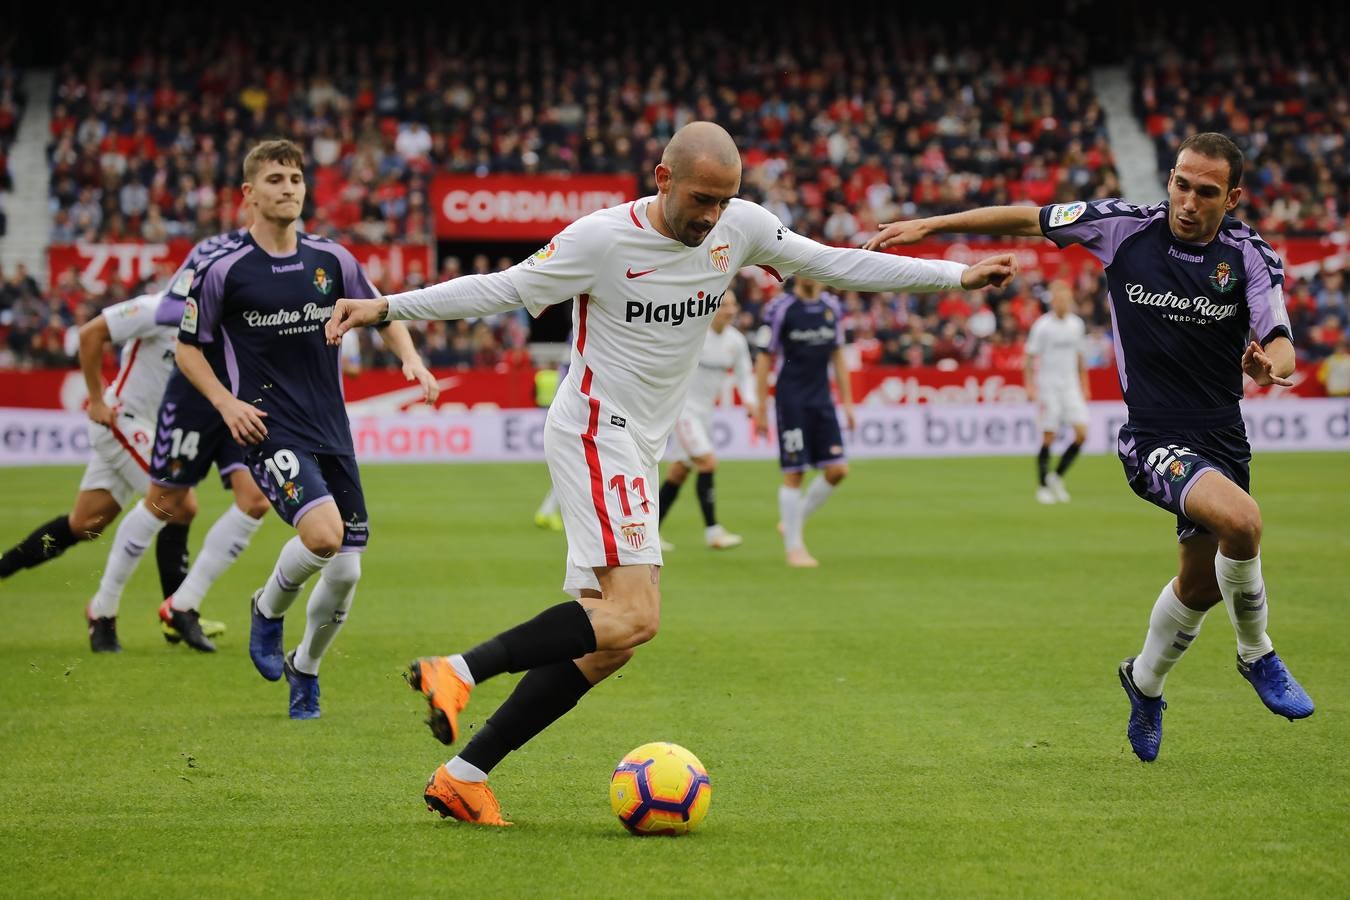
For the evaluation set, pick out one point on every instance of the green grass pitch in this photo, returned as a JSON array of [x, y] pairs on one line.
[[934, 711]]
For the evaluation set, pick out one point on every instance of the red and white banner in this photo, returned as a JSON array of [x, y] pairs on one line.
[[521, 207], [129, 262], [379, 391], [375, 391], [40, 437]]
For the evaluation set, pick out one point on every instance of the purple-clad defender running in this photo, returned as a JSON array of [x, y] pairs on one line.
[[1196, 300], [277, 386]]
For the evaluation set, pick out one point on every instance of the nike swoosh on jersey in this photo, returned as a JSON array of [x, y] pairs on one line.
[[631, 274]]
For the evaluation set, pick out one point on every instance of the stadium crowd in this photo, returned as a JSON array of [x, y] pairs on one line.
[[1290, 113], [841, 127], [12, 99]]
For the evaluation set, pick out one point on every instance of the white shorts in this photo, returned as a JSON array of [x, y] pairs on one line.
[[606, 491], [692, 438], [1062, 405], [119, 458]]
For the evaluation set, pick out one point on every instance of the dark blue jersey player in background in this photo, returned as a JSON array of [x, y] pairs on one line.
[[1196, 299], [805, 337], [261, 305]]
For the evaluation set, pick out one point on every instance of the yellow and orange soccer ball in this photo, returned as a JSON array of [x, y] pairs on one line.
[[660, 788]]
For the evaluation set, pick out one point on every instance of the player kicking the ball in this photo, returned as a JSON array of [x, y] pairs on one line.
[[1196, 300], [647, 277]]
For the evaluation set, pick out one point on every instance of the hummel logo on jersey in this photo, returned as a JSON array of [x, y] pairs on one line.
[[1184, 256], [620, 421], [631, 274], [674, 313]]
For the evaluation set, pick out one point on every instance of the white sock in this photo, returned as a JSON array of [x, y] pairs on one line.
[[464, 771], [461, 669], [1244, 594], [135, 533], [816, 495], [224, 542], [1172, 628], [327, 610], [550, 505], [790, 511], [295, 564]]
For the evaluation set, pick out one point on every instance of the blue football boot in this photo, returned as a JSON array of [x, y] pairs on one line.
[[1277, 689], [264, 642], [1145, 727], [304, 691]]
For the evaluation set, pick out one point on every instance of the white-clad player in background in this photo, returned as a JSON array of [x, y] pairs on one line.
[[725, 360], [121, 429], [1057, 380], [647, 277]]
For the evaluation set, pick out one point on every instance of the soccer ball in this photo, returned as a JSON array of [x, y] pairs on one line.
[[660, 788]]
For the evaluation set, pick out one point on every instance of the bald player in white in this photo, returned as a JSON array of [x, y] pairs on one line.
[[647, 277]]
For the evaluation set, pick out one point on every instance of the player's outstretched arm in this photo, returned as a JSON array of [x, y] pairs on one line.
[[94, 335], [1009, 221], [469, 297], [397, 339], [243, 419]]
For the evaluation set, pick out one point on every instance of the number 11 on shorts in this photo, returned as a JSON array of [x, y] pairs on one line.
[[618, 485]]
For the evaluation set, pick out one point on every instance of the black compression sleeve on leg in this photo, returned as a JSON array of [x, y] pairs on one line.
[[706, 499], [47, 541], [669, 491], [1042, 465], [1070, 454], [171, 555], [543, 696], [558, 634]]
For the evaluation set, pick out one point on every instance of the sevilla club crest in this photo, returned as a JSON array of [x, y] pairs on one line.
[[635, 533], [721, 257]]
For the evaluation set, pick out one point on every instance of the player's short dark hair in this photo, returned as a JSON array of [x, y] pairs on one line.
[[1217, 146], [283, 152]]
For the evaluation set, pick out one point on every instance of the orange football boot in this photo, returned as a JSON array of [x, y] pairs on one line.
[[468, 801], [445, 691]]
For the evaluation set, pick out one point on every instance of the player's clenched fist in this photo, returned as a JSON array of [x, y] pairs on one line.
[[349, 314], [992, 271]]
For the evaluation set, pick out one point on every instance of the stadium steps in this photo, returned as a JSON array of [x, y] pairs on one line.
[[1136, 159], [28, 208]]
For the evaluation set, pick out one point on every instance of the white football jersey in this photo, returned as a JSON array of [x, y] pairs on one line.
[[643, 300], [147, 328], [725, 356], [1060, 344]]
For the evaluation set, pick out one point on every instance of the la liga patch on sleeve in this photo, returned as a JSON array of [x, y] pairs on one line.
[[1066, 213], [189, 323]]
